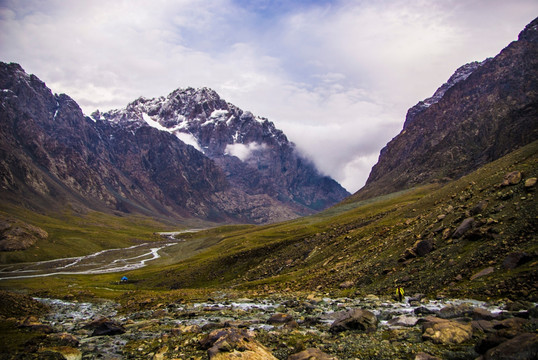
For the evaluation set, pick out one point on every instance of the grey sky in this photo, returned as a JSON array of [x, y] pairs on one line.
[[336, 76]]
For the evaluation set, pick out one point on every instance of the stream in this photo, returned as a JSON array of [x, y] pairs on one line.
[[147, 330], [105, 261]]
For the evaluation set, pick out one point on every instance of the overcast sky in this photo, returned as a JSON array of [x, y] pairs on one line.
[[336, 76]]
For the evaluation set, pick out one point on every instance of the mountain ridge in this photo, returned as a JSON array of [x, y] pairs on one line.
[[489, 111], [53, 156]]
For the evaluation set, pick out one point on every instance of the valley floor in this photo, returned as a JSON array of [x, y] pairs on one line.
[[278, 326]]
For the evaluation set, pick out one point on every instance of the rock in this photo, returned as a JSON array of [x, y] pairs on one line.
[[530, 182], [233, 343], [280, 319], [455, 311], [425, 356], [356, 319], [489, 342], [311, 354], [478, 208], [33, 324], [483, 272], [69, 353], [521, 347], [18, 235], [403, 321], [105, 327], [63, 339], [187, 329], [423, 247], [446, 332], [512, 178], [483, 314], [515, 259], [465, 226], [347, 284]]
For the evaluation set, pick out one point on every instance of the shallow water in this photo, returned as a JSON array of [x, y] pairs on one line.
[[105, 261]]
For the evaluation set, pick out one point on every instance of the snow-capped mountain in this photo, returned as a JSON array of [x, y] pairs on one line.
[[255, 156], [190, 154]]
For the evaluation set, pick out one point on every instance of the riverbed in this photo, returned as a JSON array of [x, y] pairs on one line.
[[105, 261]]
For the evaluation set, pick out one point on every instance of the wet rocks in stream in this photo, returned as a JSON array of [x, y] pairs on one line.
[[292, 328]]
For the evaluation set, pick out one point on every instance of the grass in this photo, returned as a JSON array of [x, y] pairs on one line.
[[357, 242]]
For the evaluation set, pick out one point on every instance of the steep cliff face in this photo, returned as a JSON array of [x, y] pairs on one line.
[[483, 112], [256, 157], [52, 156]]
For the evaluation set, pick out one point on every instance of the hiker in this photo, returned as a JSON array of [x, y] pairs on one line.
[[400, 293]]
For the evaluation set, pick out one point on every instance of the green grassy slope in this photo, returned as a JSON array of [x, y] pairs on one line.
[[73, 234], [358, 246], [355, 248]]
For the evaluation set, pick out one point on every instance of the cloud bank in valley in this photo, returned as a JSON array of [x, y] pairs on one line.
[[336, 76]]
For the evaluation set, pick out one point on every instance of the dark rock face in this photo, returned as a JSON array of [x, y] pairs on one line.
[[52, 155], [483, 112]]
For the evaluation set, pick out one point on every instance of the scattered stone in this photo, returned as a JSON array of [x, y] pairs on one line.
[[69, 353], [530, 182], [512, 178], [356, 319], [347, 284], [233, 343], [186, 329], [483, 314], [105, 327], [479, 208], [403, 321], [513, 260], [446, 332], [465, 226], [484, 272], [456, 311], [524, 346], [425, 356], [280, 319], [311, 354]]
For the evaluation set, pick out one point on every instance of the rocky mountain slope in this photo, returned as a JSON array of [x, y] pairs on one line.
[[483, 112], [255, 156], [52, 156]]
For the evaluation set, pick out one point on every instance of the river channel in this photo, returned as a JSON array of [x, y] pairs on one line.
[[105, 261]]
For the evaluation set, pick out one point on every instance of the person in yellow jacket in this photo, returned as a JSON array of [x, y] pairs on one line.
[[400, 292]]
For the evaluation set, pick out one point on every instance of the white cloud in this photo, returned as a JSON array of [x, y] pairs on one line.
[[336, 76], [243, 152]]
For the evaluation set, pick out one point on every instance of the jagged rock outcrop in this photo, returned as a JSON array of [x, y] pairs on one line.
[[52, 156], [483, 112]]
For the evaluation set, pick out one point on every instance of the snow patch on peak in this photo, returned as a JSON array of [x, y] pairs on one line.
[[153, 123], [243, 151], [219, 114], [188, 139]]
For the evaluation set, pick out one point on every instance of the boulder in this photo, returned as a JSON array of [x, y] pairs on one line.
[[530, 182], [446, 332], [311, 354], [512, 178], [403, 321], [521, 347], [425, 356], [280, 318], [356, 319], [483, 272], [234, 343], [455, 311], [105, 327], [465, 226], [515, 259]]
